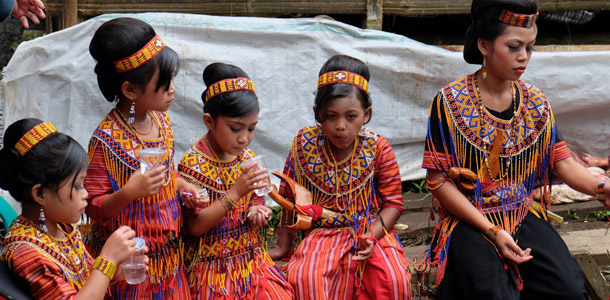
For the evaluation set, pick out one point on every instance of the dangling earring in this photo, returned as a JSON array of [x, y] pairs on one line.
[[41, 220], [132, 113], [484, 68]]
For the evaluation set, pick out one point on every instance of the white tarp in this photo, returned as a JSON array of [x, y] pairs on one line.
[[52, 78]]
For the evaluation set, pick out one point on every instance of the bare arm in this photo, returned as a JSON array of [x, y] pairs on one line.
[[580, 179]]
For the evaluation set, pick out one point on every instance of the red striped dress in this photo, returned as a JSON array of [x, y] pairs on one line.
[[228, 261], [112, 160], [54, 269], [358, 187]]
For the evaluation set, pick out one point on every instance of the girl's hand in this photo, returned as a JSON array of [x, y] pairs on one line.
[[367, 246], [120, 275], [142, 185], [510, 250], [191, 199], [246, 182], [119, 246], [259, 215]]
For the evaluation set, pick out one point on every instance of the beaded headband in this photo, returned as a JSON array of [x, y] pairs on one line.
[[150, 50], [229, 85], [515, 19], [33, 137], [343, 77]]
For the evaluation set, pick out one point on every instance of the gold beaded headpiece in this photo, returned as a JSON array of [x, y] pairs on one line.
[[515, 19], [33, 137], [343, 77], [229, 85], [150, 50]]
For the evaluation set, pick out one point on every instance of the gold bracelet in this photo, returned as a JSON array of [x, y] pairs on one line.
[[105, 266], [227, 201], [492, 232]]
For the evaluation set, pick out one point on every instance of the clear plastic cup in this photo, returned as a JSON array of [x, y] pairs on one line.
[[150, 158], [260, 161], [135, 267]]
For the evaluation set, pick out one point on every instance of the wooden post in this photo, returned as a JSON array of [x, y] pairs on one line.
[[374, 14], [69, 13], [596, 285]]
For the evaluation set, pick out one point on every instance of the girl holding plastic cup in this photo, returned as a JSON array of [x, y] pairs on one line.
[[224, 232]]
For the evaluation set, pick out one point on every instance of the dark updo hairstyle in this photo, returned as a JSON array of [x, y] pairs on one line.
[[331, 91], [50, 162], [231, 104], [120, 38], [485, 16]]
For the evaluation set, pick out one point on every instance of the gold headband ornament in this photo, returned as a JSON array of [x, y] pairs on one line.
[[150, 50], [229, 85], [515, 19], [343, 77], [33, 137]]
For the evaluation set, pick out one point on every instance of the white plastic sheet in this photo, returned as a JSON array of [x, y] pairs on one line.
[[52, 78]]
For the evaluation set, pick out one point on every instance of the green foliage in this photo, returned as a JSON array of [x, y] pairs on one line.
[[572, 215], [418, 186], [600, 215]]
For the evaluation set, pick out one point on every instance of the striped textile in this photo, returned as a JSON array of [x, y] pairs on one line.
[[40, 260], [321, 266], [158, 218], [228, 261]]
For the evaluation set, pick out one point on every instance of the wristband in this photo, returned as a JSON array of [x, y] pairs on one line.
[[105, 266], [492, 232], [227, 201]]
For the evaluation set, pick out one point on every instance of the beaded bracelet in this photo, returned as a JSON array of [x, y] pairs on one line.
[[599, 192], [227, 201], [105, 266], [492, 232], [435, 184]]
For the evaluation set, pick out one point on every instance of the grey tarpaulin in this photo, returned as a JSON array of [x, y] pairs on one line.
[[52, 78]]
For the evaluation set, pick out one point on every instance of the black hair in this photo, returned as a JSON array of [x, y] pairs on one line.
[[49, 163], [485, 16], [231, 104], [329, 92], [120, 38]]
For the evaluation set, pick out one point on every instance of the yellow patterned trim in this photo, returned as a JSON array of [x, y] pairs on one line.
[[33, 137], [105, 266], [229, 85], [344, 77], [150, 50]]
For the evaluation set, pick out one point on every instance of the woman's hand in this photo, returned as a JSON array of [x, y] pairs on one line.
[[510, 250], [143, 185], [606, 202], [259, 215], [119, 246], [366, 246], [247, 181]]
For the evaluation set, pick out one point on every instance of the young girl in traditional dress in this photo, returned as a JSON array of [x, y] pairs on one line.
[[491, 139], [136, 69], [224, 257], [45, 171], [352, 173]]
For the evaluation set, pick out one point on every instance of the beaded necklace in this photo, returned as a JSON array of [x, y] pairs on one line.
[[489, 147], [330, 153]]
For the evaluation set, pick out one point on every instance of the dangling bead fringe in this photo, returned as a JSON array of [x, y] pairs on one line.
[[41, 220], [132, 113], [483, 69]]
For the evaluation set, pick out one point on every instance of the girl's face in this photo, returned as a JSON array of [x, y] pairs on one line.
[[230, 135], [159, 100], [509, 54], [67, 204], [344, 118]]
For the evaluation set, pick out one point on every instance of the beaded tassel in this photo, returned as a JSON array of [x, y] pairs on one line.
[[132, 113], [483, 68]]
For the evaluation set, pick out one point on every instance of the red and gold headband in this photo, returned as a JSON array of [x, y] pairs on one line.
[[343, 77], [33, 137], [150, 50], [515, 19], [229, 85]]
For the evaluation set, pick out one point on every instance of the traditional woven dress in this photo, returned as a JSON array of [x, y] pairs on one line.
[[113, 158], [358, 187], [521, 144], [228, 261], [54, 269]]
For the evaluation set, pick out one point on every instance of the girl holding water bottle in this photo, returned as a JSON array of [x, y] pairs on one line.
[[223, 255], [136, 69]]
